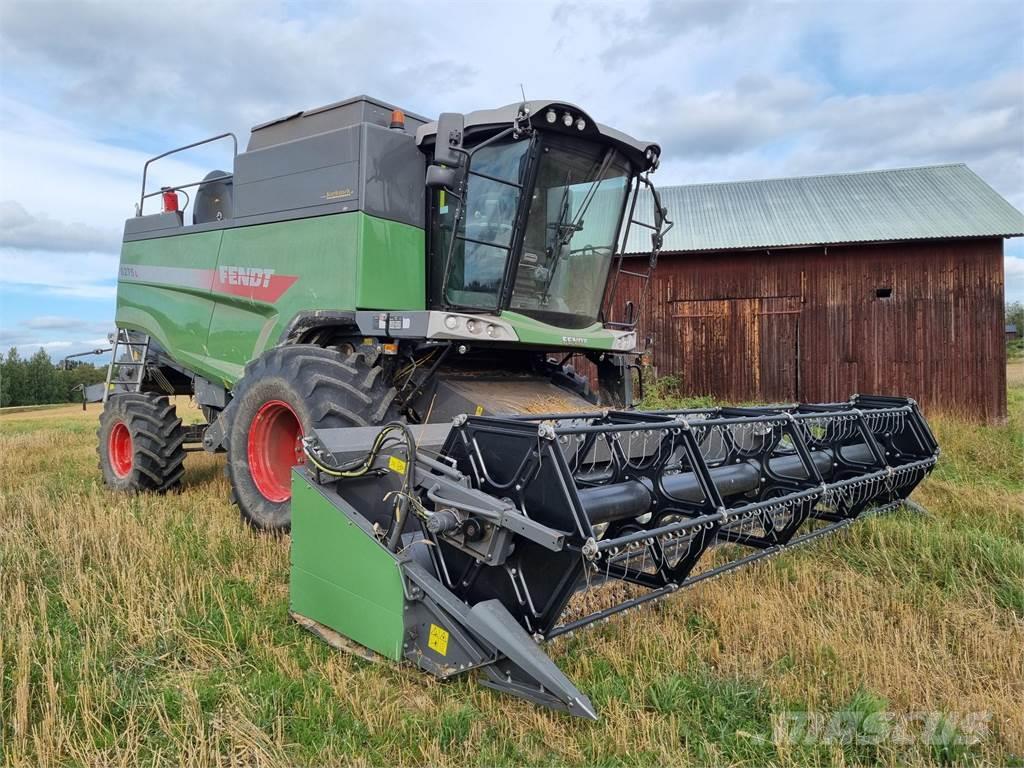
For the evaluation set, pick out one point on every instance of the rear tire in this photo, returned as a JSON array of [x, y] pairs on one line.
[[140, 443], [285, 393]]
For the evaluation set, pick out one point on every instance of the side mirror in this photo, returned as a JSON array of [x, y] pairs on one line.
[[446, 178], [450, 126]]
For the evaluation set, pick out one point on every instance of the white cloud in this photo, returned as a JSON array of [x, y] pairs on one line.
[[85, 275], [731, 89], [232, 63], [21, 229], [979, 125], [1014, 266]]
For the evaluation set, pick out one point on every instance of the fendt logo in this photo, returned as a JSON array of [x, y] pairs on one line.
[[255, 283], [254, 277], [258, 283], [573, 340]]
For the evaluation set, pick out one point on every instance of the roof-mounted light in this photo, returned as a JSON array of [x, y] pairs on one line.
[[580, 124], [551, 116], [567, 120]]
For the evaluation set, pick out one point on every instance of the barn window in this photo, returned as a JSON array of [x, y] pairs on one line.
[[883, 293]]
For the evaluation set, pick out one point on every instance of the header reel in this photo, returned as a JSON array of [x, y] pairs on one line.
[[490, 536]]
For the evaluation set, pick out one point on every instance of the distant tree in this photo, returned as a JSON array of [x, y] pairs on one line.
[[12, 379], [1015, 315], [42, 379], [37, 380], [78, 374]]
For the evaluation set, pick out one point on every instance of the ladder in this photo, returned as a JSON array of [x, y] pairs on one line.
[[136, 360]]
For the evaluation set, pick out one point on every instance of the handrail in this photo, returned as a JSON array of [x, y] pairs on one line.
[[145, 168]]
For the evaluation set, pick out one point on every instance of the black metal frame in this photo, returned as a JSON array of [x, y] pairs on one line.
[[515, 515], [808, 471]]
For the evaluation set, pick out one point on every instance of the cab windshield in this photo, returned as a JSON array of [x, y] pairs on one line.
[[572, 220], [571, 230]]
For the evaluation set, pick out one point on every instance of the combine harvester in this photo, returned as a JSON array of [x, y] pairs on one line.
[[383, 360]]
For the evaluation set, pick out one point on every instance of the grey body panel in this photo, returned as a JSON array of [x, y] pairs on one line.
[[140, 227], [268, 218], [346, 444], [307, 173], [340, 114]]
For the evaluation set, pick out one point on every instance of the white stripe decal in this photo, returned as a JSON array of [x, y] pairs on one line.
[[181, 277]]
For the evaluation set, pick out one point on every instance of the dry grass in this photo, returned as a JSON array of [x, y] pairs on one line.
[[155, 630], [1015, 373]]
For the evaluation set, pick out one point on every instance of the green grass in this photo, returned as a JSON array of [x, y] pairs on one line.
[[154, 630]]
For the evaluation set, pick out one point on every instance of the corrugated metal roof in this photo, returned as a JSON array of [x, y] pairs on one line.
[[901, 204]]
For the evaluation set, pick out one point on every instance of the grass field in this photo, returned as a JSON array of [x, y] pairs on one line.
[[155, 629]]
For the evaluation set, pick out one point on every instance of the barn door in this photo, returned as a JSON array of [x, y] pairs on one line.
[[739, 350]]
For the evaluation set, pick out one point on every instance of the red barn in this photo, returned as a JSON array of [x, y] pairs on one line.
[[817, 288]]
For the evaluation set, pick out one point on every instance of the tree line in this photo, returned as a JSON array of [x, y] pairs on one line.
[[1015, 315], [37, 381]]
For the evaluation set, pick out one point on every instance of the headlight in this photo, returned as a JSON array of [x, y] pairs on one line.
[[451, 322], [567, 120], [649, 154], [551, 116], [473, 326], [492, 331], [581, 124]]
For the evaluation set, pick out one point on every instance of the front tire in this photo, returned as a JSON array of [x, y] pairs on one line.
[[140, 443], [285, 393]]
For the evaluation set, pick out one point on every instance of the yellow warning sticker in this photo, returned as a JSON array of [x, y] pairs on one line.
[[438, 640], [395, 464], [479, 410]]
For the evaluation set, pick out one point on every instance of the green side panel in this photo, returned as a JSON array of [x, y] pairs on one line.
[[533, 331], [341, 576], [191, 291], [339, 262], [392, 271], [175, 309]]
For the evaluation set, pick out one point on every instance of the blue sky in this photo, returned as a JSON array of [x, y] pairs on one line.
[[731, 89]]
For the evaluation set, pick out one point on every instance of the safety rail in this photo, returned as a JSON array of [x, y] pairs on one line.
[[145, 169]]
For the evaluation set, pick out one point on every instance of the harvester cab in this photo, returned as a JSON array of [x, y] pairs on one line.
[[526, 210], [376, 314]]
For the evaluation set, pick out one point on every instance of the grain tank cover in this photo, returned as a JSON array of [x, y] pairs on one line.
[[340, 114], [334, 159]]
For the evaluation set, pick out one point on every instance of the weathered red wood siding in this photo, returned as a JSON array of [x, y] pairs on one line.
[[807, 324]]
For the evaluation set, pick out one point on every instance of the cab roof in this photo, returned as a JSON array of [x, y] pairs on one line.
[[537, 110]]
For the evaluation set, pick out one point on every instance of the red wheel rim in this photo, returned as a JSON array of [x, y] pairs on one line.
[[119, 449], [275, 446]]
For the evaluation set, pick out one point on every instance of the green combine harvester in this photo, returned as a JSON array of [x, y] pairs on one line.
[[376, 314]]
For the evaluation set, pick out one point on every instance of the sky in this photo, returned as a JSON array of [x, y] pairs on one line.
[[731, 89]]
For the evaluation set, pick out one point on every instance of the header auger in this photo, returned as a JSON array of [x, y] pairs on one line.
[[359, 282]]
